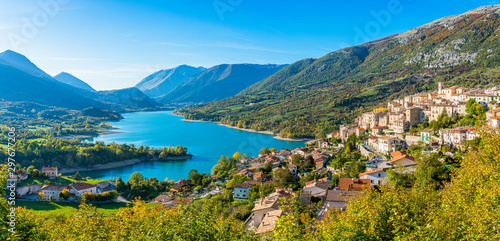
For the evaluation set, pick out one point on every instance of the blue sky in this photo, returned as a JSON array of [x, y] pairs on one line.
[[114, 44]]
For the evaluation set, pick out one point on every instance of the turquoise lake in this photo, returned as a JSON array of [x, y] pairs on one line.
[[207, 141]]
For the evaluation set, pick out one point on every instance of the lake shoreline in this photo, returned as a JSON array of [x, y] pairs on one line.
[[275, 136], [117, 164]]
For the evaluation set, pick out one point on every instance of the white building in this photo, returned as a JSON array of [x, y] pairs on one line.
[[388, 144], [376, 176], [241, 190]]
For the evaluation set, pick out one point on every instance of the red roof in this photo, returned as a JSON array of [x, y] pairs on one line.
[[354, 184], [374, 171], [54, 187], [259, 175], [82, 186], [253, 183], [49, 168]]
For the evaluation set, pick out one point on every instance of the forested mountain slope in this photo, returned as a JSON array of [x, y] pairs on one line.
[[312, 97]]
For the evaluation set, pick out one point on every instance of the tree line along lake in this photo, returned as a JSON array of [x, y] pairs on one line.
[[207, 141]]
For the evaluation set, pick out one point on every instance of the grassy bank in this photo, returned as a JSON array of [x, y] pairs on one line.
[[67, 208]]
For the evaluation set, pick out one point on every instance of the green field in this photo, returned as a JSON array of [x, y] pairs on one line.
[[62, 180], [67, 208]]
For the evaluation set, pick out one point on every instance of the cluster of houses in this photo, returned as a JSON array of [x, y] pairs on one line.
[[401, 114], [250, 166], [51, 192], [50, 172]]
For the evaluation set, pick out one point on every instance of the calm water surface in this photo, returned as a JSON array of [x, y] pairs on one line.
[[208, 141]]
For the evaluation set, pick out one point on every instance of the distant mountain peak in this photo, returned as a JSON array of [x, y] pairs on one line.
[[19, 61], [70, 79], [163, 81], [445, 21]]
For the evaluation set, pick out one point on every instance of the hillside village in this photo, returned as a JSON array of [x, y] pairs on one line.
[[326, 173], [383, 138]]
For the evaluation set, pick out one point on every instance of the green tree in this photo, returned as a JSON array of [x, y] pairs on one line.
[[282, 177], [136, 178], [77, 176]]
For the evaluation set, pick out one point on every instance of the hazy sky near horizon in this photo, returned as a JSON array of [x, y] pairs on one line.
[[114, 44]]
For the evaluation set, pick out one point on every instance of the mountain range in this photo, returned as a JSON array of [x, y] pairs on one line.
[[24, 81], [164, 81], [311, 97], [219, 82], [69, 79]]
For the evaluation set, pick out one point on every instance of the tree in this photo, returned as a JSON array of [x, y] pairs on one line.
[[282, 177], [136, 178], [64, 194], [264, 151], [77, 176], [470, 107], [195, 177], [236, 156], [267, 169], [308, 165], [120, 185], [41, 195], [297, 159]]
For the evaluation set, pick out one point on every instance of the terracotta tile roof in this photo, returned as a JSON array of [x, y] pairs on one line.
[[291, 165], [268, 223], [253, 183], [49, 168], [496, 118], [374, 171], [396, 153], [242, 185], [54, 187], [259, 175], [400, 157], [82, 186], [163, 198], [340, 196], [354, 184]]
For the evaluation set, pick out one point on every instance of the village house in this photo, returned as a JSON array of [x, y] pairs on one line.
[[492, 113], [334, 134], [388, 144], [347, 130], [338, 199], [263, 206], [426, 134], [402, 159], [259, 176], [241, 190], [376, 177], [52, 190], [80, 188], [300, 151], [51, 172], [494, 121], [354, 184], [457, 136], [268, 222], [180, 186], [162, 199], [322, 143]]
